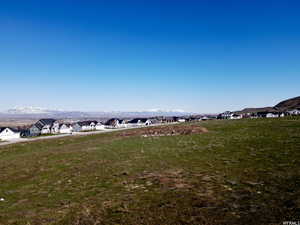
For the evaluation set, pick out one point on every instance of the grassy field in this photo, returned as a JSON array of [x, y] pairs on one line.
[[239, 172]]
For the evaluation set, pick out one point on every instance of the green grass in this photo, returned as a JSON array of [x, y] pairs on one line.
[[240, 172]]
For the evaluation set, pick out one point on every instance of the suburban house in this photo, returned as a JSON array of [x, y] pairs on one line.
[[261, 114], [267, 114], [224, 115], [55, 128], [7, 133], [65, 128], [122, 124], [168, 120], [25, 133], [272, 115], [156, 120], [178, 119], [294, 112], [112, 123], [85, 125], [100, 126], [204, 118], [140, 122], [234, 116], [44, 126]]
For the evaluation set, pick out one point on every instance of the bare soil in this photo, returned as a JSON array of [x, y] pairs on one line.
[[165, 131]]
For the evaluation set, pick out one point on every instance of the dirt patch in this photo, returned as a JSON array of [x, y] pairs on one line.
[[169, 179], [165, 131]]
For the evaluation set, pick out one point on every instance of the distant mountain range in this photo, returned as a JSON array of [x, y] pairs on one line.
[[38, 112], [289, 104], [30, 110]]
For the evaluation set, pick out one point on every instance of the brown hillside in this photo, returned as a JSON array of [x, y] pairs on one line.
[[292, 103]]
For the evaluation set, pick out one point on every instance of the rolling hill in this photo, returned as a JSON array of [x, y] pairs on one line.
[[292, 103], [289, 104]]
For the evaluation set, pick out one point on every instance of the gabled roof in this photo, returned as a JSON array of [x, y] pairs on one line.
[[111, 121], [136, 120], [43, 122], [87, 122], [67, 124], [12, 129], [38, 125], [47, 121]]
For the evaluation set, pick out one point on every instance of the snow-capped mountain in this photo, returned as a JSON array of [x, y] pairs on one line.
[[34, 112], [169, 111], [29, 110]]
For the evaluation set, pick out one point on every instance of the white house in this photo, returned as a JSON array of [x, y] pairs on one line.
[[140, 122], [85, 126], [282, 115], [46, 129], [271, 115], [122, 124], [65, 128], [7, 133], [204, 118], [181, 120], [44, 126], [225, 115], [100, 126], [55, 128], [235, 116], [115, 123], [294, 112]]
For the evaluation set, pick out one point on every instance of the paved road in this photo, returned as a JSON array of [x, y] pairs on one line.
[[22, 140]]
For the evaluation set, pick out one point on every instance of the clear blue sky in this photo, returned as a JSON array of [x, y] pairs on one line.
[[200, 56]]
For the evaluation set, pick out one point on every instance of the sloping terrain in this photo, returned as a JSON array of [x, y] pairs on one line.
[[283, 106], [254, 110], [289, 104], [239, 172]]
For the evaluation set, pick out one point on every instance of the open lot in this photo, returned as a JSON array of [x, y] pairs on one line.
[[215, 172]]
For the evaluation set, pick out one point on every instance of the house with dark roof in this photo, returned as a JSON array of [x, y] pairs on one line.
[[100, 126], [294, 112], [123, 123], [267, 114], [140, 122], [112, 123], [168, 119], [7, 133], [88, 125], [44, 126], [235, 116], [224, 115], [65, 128], [178, 119], [272, 115], [24, 133]]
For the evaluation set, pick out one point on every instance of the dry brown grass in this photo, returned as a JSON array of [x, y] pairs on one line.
[[165, 131]]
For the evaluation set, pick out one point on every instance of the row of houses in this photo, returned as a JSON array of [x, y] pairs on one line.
[[52, 126], [263, 114]]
